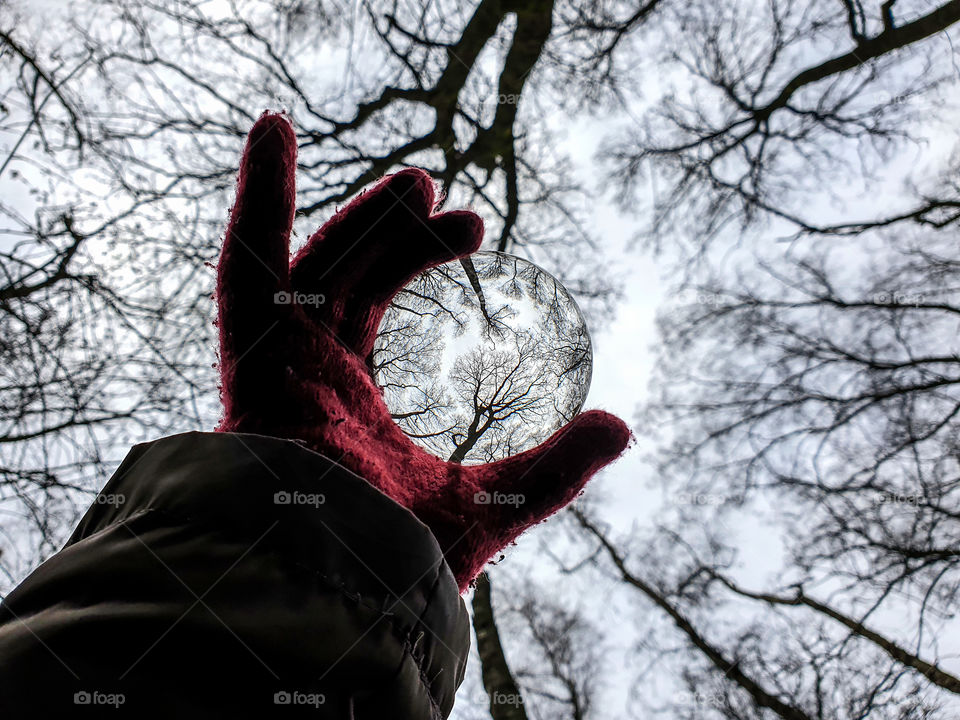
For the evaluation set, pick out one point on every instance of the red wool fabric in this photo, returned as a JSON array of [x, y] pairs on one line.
[[301, 370]]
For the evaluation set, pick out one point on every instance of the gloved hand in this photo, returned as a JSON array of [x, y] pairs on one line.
[[301, 370]]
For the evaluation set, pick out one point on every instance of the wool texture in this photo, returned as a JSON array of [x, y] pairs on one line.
[[301, 370]]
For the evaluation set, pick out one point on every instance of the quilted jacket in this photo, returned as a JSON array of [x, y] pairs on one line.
[[227, 575]]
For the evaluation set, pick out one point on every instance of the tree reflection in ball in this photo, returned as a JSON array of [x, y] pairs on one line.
[[482, 358]]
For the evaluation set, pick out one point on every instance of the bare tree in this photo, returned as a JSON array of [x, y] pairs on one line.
[[828, 398], [564, 674], [93, 352], [808, 386], [557, 665], [506, 700], [742, 664], [781, 101], [813, 386], [847, 405], [121, 123]]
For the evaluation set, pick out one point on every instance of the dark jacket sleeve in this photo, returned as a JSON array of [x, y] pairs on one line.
[[228, 575]]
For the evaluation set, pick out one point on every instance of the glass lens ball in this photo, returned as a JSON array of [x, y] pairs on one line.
[[483, 358]]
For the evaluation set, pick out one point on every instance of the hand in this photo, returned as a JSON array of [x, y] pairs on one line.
[[296, 341]]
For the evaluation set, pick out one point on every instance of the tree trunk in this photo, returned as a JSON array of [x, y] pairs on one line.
[[506, 702]]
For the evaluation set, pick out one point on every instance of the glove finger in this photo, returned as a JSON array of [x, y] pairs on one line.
[[253, 272], [498, 501], [440, 239], [340, 254], [546, 478], [432, 242]]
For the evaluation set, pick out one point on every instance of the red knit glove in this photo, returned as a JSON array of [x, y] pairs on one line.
[[302, 370]]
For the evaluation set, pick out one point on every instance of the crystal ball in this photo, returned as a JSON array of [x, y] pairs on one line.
[[483, 358]]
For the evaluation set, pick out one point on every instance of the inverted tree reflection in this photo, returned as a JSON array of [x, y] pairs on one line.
[[483, 358]]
